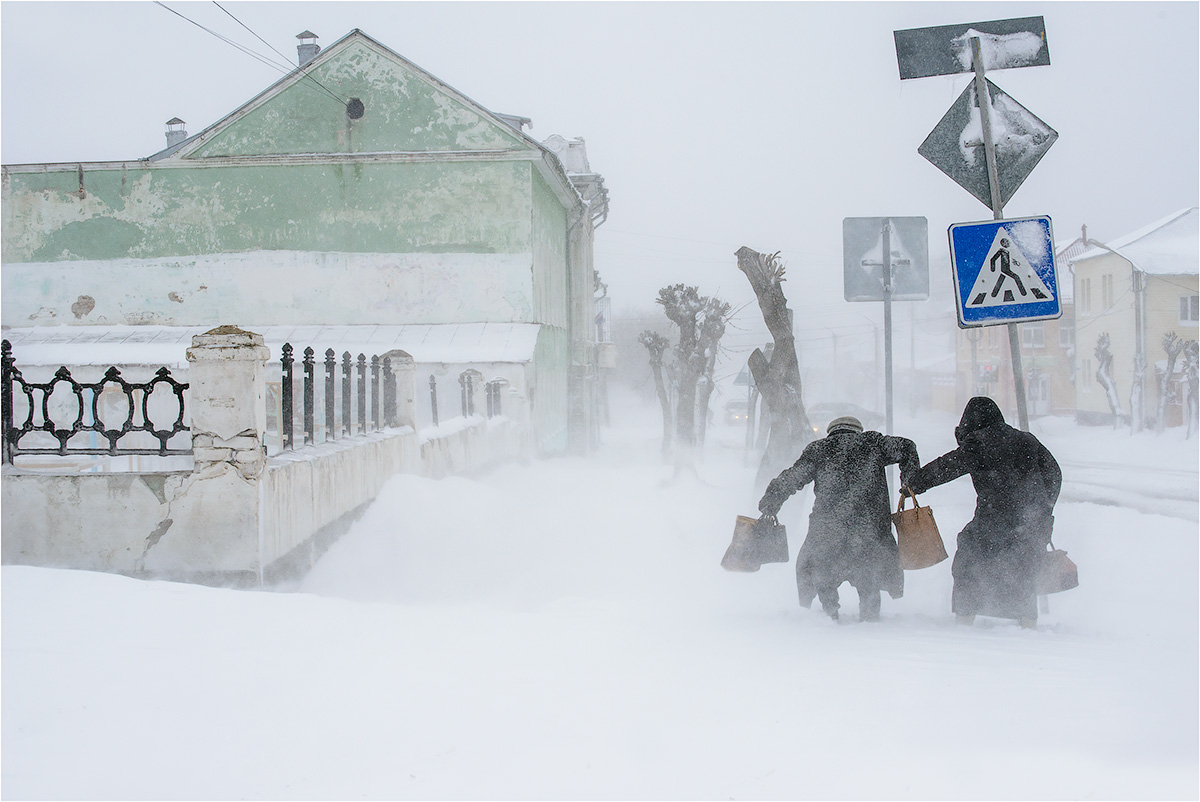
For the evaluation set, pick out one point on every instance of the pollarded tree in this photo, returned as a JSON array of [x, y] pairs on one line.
[[1191, 372], [1104, 360], [1166, 387], [701, 323], [777, 376], [657, 346]]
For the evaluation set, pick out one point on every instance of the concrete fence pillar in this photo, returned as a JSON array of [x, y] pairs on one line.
[[228, 377], [405, 372], [213, 522]]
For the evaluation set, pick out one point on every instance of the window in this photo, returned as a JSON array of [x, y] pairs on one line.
[[1085, 296], [1085, 376], [1033, 335], [1189, 309], [1066, 335]]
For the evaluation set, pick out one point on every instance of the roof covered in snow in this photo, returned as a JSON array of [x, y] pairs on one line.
[[452, 343], [1167, 247]]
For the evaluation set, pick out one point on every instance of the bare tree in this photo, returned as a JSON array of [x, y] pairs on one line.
[[1104, 361], [712, 329], [1166, 386], [1191, 371], [777, 377], [701, 323], [657, 345]]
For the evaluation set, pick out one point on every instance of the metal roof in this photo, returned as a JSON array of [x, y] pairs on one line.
[[1167, 247]]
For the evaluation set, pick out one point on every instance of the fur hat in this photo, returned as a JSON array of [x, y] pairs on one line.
[[846, 422]]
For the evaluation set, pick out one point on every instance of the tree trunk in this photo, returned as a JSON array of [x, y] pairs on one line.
[[1104, 377], [777, 378], [1166, 387]]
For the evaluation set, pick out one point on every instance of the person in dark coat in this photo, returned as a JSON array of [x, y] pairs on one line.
[[850, 529], [1017, 482]]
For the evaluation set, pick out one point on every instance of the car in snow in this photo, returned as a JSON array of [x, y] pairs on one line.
[[737, 412], [819, 415]]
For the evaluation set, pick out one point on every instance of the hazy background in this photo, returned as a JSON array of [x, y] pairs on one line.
[[715, 125]]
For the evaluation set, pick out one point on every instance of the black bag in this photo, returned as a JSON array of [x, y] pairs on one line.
[[755, 541]]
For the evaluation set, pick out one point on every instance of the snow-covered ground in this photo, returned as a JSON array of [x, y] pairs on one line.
[[563, 630]]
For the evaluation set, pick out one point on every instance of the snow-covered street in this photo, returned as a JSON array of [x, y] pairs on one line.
[[562, 629]]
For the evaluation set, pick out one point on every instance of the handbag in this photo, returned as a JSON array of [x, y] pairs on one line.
[[755, 541], [917, 534], [1056, 571]]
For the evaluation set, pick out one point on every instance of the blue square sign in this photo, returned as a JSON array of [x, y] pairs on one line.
[[1004, 271]]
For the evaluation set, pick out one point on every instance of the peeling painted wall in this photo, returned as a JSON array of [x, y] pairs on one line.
[[457, 207], [403, 112]]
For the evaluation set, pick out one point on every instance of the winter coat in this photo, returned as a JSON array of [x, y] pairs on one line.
[[1016, 483], [850, 528]]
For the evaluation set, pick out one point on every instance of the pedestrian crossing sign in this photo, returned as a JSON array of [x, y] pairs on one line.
[[1004, 271]]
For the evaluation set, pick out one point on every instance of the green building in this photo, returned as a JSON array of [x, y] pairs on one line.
[[357, 191]]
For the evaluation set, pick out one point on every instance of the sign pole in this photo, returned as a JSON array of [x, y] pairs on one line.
[[887, 319], [983, 99]]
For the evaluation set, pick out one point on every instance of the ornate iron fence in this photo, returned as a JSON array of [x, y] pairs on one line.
[[111, 409], [360, 392]]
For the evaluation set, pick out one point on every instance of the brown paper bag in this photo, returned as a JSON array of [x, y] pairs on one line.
[[917, 535], [755, 541], [1056, 572]]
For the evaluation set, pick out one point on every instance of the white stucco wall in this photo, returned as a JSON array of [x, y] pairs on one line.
[[271, 288]]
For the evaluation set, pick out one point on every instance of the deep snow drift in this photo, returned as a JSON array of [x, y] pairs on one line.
[[562, 629]]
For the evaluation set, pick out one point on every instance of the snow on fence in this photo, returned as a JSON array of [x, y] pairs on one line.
[[238, 515]]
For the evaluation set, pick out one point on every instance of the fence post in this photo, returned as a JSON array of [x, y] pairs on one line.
[[330, 372], [375, 417], [308, 396], [362, 393], [287, 398], [6, 400], [433, 398], [346, 408], [228, 388]]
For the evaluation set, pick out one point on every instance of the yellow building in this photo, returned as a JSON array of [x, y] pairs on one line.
[[1129, 295]]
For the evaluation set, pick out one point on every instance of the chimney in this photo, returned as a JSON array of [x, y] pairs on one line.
[[175, 132], [308, 48]]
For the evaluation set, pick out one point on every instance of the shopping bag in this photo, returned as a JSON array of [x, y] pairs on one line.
[[1056, 571], [917, 534], [755, 541]]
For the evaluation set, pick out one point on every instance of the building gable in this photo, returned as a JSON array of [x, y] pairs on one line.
[[403, 110]]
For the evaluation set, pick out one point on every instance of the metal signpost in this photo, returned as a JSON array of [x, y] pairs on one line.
[[886, 259], [973, 122]]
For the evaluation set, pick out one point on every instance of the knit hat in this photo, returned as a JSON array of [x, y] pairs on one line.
[[846, 422]]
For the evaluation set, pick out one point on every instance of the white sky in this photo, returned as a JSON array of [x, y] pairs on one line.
[[715, 125]]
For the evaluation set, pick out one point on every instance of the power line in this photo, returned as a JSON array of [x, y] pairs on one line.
[[258, 57], [281, 55]]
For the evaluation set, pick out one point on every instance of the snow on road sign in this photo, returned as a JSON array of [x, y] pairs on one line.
[[1004, 271]]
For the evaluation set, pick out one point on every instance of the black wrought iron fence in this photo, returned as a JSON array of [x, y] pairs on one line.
[[363, 390], [77, 415]]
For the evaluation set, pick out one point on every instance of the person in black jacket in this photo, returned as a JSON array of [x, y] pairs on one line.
[[1016, 483], [850, 528]]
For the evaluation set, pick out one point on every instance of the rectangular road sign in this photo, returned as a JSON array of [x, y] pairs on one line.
[[1004, 271], [946, 49], [862, 257]]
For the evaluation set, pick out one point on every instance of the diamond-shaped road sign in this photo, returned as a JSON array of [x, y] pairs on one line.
[[955, 146], [862, 255], [1004, 271]]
